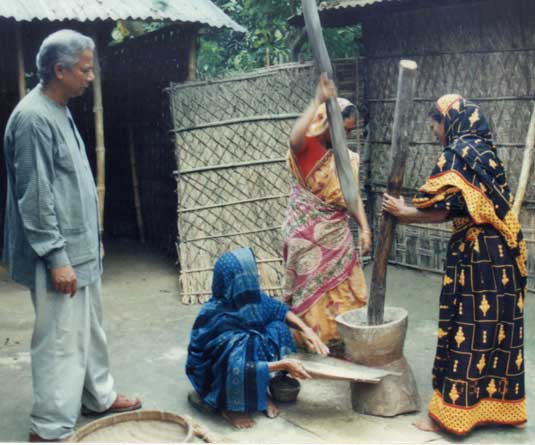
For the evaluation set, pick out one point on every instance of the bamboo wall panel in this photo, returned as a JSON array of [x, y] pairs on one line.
[[484, 51], [231, 141]]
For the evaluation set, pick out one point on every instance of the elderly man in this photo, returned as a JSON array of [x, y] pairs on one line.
[[51, 243]]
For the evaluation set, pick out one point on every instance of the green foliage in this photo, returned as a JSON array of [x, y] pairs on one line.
[[267, 41]]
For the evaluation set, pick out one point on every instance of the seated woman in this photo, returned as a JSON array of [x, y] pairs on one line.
[[239, 337]]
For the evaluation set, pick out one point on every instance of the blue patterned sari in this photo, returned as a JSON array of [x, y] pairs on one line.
[[237, 332]]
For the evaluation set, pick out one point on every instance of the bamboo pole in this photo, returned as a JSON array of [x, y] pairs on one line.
[[262, 72], [238, 120], [100, 148], [401, 136], [350, 189], [135, 184], [232, 203], [527, 164], [297, 44], [192, 58], [228, 235], [357, 114], [211, 168], [20, 61]]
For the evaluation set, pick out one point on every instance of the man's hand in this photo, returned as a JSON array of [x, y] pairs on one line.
[[64, 280]]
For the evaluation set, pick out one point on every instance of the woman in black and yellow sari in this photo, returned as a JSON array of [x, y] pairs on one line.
[[478, 373]]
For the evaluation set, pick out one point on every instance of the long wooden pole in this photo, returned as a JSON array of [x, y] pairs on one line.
[[527, 164], [192, 58], [401, 136], [350, 189], [20, 61], [135, 184], [357, 90], [100, 148]]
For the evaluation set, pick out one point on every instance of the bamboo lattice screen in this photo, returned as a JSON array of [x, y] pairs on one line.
[[231, 143]]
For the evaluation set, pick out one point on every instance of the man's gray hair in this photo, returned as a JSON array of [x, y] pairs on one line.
[[63, 47]]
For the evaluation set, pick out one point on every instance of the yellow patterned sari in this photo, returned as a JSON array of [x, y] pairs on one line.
[[324, 277], [478, 373]]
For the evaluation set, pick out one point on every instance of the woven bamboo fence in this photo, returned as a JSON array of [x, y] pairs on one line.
[[233, 185], [231, 141], [484, 51]]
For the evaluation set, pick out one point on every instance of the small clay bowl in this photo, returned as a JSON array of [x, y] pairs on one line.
[[284, 389]]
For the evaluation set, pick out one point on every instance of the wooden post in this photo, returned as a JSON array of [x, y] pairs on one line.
[[297, 44], [100, 148], [401, 135], [192, 58], [20, 61], [350, 189], [357, 114], [527, 164], [135, 184]]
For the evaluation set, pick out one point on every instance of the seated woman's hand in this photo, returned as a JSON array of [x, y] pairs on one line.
[[314, 343], [295, 368]]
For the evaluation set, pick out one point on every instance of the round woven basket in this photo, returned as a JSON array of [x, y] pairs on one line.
[[137, 427]]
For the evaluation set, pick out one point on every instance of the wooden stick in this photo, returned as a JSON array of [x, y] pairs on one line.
[[207, 269], [527, 163], [192, 58], [233, 203], [350, 189], [20, 62], [239, 120], [228, 235], [401, 136], [357, 114], [262, 72], [297, 44], [235, 165], [135, 184], [267, 62], [100, 149]]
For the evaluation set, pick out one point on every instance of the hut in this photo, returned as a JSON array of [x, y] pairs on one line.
[[482, 49], [124, 121]]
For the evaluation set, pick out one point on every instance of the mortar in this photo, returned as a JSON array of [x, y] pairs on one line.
[[380, 346]]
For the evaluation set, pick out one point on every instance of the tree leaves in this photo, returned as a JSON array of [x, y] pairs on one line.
[[267, 41]]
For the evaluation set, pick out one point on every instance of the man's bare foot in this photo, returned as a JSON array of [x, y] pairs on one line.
[[238, 420], [427, 424], [272, 410]]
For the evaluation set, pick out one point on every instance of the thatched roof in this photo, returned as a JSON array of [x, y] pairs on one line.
[[186, 11]]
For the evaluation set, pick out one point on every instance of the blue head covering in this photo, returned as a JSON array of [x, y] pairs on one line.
[[235, 280]]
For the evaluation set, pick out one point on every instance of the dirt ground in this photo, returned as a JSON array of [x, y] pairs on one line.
[[148, 333]]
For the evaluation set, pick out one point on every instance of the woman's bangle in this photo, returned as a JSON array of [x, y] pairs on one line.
[[366, 231]]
